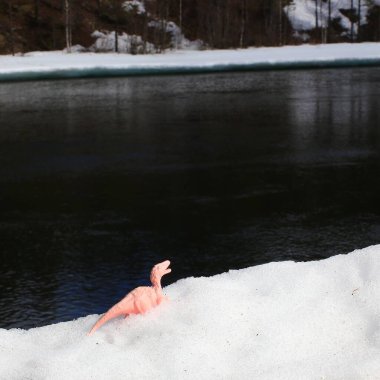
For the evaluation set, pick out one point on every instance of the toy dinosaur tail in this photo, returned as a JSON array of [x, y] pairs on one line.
[[114, 312]]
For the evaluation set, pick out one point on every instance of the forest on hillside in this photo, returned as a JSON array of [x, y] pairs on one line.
[[27, 25]]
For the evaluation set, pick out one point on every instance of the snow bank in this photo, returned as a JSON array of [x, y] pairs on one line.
[[303, 13], [40, 65], [129, 44], [134, 44], [314, 320]]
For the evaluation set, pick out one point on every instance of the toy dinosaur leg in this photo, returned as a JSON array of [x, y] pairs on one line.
[[114, 312]]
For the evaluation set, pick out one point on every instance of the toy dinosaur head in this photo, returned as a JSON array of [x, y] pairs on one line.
[[158, 271]]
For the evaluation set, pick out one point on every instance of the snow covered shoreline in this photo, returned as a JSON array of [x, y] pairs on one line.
[[313, 320], [59, 65]]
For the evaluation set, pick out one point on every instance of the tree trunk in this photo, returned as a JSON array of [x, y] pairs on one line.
[[242, 22], [37, 11], [180, 14], [316, 15], [116, 11], [11, 34], [359, 16], [323, 24], [352, 21], [280, 22], [68, 26], [329, 22]]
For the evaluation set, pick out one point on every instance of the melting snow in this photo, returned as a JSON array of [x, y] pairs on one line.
[[314, 320]]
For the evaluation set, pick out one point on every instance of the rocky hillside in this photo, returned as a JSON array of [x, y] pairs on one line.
[[27, 25]]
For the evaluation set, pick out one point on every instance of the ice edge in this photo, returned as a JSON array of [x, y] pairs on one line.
[[99, 72]]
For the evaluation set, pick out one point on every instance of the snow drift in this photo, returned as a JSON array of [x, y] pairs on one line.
[[314, 320], [53, 65]]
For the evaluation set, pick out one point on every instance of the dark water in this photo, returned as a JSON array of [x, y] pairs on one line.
[[100, 179]]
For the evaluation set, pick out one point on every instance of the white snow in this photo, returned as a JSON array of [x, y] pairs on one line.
[[134, 5], [62, 65], [302, 13], [314, 320], [105, 42], [178, 39]]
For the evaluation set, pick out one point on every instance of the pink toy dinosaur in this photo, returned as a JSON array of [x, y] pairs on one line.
[[139, 300]]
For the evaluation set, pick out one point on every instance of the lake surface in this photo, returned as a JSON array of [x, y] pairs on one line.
[[102, 178]]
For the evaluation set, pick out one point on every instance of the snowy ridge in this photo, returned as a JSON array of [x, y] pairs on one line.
[[313, 320], [51, 65]]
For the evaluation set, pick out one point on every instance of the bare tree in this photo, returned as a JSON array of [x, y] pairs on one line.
[[119, 17], [352, 20], [329, 22], [68, 26], [160, 30], [280, 22], [359, 19], [243, 21], [180, 14], [11, 26], [323, 23], [316, 15], [37, 10]]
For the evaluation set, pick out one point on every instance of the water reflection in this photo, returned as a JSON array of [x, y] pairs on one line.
[[102, 178], [339, 114]]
